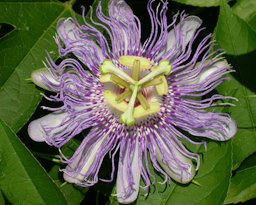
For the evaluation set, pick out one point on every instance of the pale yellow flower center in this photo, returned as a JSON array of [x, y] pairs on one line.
[[130, 100]]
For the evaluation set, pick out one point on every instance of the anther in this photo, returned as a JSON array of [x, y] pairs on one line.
[[136, 70]]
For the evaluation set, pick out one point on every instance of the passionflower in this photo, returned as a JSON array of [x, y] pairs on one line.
[[140, 100]]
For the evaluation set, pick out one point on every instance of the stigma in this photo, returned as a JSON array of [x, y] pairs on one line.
[[129, 92]]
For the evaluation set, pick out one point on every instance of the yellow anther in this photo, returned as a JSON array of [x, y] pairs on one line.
[[110, 98], [136, 70], [132, 86], [140, 112], [114, 79], [162, 88], [128, 61], [155, 81], [105, 78], [119, 81]]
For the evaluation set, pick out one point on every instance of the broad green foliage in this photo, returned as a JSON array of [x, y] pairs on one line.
[[74, 195], [234, 34], [246, 9], [2, 201], [242, 186], [23, 51], [242, 85], [22, 179], [201, 3], [244, 114]]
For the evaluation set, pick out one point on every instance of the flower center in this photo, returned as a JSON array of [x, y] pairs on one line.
[[130, 98]]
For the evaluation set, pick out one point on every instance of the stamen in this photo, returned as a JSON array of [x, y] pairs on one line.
[[127, 117], [108, 67], [114, 79], [164, 67], [123, 96], [132, 87], [162, 89], [140, 112], [129, 61], [110, 98], [119, 81], [155, 81], [136, 70], [143, 101]]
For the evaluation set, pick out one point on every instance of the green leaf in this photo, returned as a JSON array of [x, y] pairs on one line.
[[72, 193], [22, 51], [242, 86], [22, 179], [201, 3], [2, 201], [236, 37], [248, 162], [213, 177], [232, 33], [242, 186], [246, 10]]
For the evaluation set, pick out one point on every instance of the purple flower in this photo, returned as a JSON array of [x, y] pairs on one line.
[[139, 99]]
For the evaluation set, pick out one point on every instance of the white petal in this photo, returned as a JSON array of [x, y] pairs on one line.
[[178, 174], [39, 76], [231, 128], [122, 183], [69, 34], [35, 128], [89, 160], [183, 33], [220, 65], [67, 30], [227, 130], [121, 11]]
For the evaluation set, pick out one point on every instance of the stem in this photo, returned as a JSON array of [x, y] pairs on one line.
[[53, 158]]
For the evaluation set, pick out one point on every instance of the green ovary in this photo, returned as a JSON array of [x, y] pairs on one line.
[[130, 101]]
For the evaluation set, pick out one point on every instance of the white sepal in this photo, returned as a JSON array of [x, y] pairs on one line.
[[176, 160], [40, 78], [88, 160], [36, 129], [183, 33], [70, 34], [122, 178], [207, 73]]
